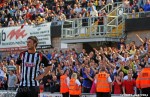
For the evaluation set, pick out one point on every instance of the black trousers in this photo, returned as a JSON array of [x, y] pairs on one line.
[[65, 94], [102, 94], [146, 92], [28, 91], [74, 96], [86, 90]]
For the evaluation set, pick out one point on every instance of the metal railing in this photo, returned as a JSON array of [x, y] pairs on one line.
[[84, 28], [8, 93], [75, 22], [95, 27], [114, 12], [110, 7], [137, 15], [84, 32], [89, 27], [115, 22]]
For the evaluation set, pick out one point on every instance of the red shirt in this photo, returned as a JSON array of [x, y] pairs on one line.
[[117, 88], [129, 86], [28, 16]]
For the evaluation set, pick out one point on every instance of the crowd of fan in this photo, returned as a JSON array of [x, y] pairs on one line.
[[123, 63], [27, 12]]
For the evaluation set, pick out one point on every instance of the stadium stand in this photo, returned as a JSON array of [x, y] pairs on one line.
[[92, 17]]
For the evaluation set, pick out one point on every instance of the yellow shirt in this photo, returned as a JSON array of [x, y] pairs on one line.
[[132, 52]]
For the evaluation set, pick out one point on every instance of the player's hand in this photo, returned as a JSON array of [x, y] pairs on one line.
[[39, 77]]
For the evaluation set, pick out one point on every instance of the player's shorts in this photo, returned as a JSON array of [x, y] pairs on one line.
[[28, 91]]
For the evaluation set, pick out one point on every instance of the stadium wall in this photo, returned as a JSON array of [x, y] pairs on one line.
[[137, 24], [56, 43], [131, 36]]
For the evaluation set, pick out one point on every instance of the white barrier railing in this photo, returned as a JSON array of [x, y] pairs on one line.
[[59, 95], [48, 94]]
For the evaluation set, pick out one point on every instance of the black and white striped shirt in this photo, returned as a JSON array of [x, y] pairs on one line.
[[30, 64]]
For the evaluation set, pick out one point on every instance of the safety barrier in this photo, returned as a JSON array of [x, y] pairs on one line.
[[137, 15], [47, 94], [7, 93], [94, 27]]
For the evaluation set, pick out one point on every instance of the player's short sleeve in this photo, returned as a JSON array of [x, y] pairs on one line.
[[19, 60], [45, 61]]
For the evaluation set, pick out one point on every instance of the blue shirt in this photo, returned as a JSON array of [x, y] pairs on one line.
[[86, 81], [49, 56], [146, 7]]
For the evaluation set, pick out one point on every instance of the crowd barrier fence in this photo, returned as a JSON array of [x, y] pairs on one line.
[[57, 94]]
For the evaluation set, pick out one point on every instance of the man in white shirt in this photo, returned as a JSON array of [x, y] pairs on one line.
[[93, 12], [11, 22], [129, 72], [126, 57]]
